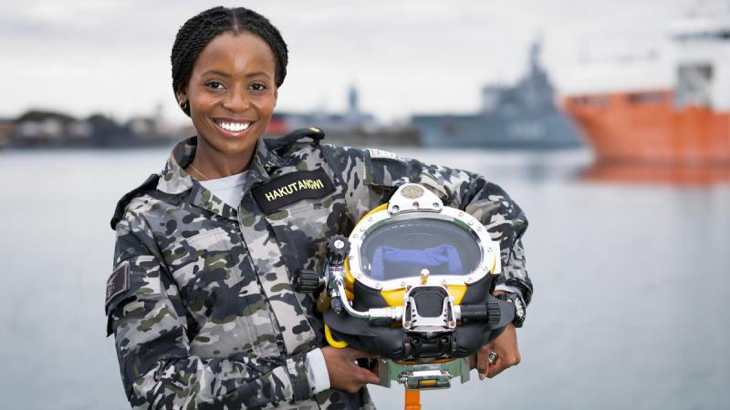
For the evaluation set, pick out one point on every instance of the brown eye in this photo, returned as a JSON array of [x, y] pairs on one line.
[[257, 87], [214, 85]]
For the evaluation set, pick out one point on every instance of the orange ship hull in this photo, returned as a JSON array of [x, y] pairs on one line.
[[646, 127], [642, 137]]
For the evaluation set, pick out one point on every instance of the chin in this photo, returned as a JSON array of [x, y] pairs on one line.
[[236, 147], [229, 144]]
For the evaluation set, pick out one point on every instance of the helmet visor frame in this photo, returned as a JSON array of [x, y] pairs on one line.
[[461, 228]]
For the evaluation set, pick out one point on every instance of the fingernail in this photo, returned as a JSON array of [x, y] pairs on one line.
[[482, 377]]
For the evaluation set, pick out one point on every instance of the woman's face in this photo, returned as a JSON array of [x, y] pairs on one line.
[[232, 93]]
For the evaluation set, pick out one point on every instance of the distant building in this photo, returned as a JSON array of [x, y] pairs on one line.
[[353, 120], [143, 126], [55, 129], [106, 131], [151, 127], [37, 127], [7, 128]]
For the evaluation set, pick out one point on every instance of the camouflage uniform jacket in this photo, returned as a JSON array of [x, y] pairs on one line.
[[201, 302]]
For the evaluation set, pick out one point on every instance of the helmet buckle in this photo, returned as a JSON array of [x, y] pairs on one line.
[[428, 309]]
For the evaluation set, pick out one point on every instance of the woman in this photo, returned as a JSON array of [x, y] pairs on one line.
[[200, 299]]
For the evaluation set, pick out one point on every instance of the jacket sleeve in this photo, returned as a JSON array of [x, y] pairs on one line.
[[371, 177], [505, 221], [149, 323]]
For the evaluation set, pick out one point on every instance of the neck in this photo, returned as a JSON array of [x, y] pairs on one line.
[[214, 164]]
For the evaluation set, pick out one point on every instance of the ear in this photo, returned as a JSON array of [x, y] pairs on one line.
[[181, 95], [276, 95]]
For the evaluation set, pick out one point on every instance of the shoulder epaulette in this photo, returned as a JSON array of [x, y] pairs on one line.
[[315, 134], [149, 184]]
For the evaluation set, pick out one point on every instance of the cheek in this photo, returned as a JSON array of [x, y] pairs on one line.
[[266, 105], [200, 104]]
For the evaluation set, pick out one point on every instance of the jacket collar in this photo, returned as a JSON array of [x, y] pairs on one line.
[[175, 180]]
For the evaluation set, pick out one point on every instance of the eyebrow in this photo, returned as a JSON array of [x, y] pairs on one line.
[[224, 74]]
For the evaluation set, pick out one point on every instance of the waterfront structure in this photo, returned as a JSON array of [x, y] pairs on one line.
[[7, 128], [523, 116], [46, 128]]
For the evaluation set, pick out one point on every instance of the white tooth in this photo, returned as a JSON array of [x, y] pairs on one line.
[[234, 126]]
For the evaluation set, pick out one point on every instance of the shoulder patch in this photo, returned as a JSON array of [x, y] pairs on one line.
[[117, 283], [293, 187], [379, 153]]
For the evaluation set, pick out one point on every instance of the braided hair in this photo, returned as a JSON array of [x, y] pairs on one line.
[[197, 32]]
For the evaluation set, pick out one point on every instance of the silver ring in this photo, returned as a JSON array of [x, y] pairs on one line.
[[493, 357]]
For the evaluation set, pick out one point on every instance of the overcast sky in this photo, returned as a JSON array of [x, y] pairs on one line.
[[408, 56]]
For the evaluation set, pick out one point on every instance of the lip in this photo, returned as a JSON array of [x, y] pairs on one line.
[[232, 134]]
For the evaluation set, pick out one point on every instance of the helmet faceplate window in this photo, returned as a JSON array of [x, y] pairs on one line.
[[415, 238], [404, 248]]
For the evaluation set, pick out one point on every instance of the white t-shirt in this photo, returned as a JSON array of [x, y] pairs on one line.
[[229, 189]]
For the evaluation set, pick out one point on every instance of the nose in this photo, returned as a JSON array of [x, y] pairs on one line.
[[236, 100]]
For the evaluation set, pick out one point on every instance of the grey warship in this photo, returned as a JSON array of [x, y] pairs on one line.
[[523, 116]]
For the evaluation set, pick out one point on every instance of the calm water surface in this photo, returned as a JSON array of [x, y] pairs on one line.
[[632, 286]]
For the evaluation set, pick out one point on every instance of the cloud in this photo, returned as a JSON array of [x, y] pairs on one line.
[[113, 55]]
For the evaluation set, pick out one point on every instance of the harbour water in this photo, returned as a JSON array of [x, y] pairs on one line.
[[631, 285]]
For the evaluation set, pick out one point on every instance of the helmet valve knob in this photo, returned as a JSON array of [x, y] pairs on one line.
[[337, 249], [424, 276], [307, 281]]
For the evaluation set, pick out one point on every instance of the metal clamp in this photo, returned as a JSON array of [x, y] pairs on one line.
[[427, 376]]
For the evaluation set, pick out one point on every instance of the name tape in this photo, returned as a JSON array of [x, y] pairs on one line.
[[312, 184], [294, 187]]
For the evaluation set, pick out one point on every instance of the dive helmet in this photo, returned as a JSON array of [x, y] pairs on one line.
[[412, 284]]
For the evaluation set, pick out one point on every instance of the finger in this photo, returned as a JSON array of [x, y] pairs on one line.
[[496, 368], [482, 365], [502, 363], [483, 361], [365, 376], [361, 374], [360, 354]]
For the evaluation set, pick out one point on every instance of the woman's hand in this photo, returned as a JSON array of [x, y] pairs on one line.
[[345, 373], [508, 354]]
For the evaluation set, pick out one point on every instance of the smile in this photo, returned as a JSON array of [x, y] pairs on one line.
[[233, 126]]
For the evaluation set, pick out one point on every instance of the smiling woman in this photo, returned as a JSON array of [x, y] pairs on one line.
[[201, 298], [232, 94]]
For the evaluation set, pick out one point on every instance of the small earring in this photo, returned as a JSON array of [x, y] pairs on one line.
[[183, 105]]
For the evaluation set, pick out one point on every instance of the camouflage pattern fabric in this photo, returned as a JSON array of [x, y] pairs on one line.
[[202, 307]]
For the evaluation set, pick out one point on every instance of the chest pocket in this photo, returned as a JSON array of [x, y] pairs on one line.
[[303, 229]]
